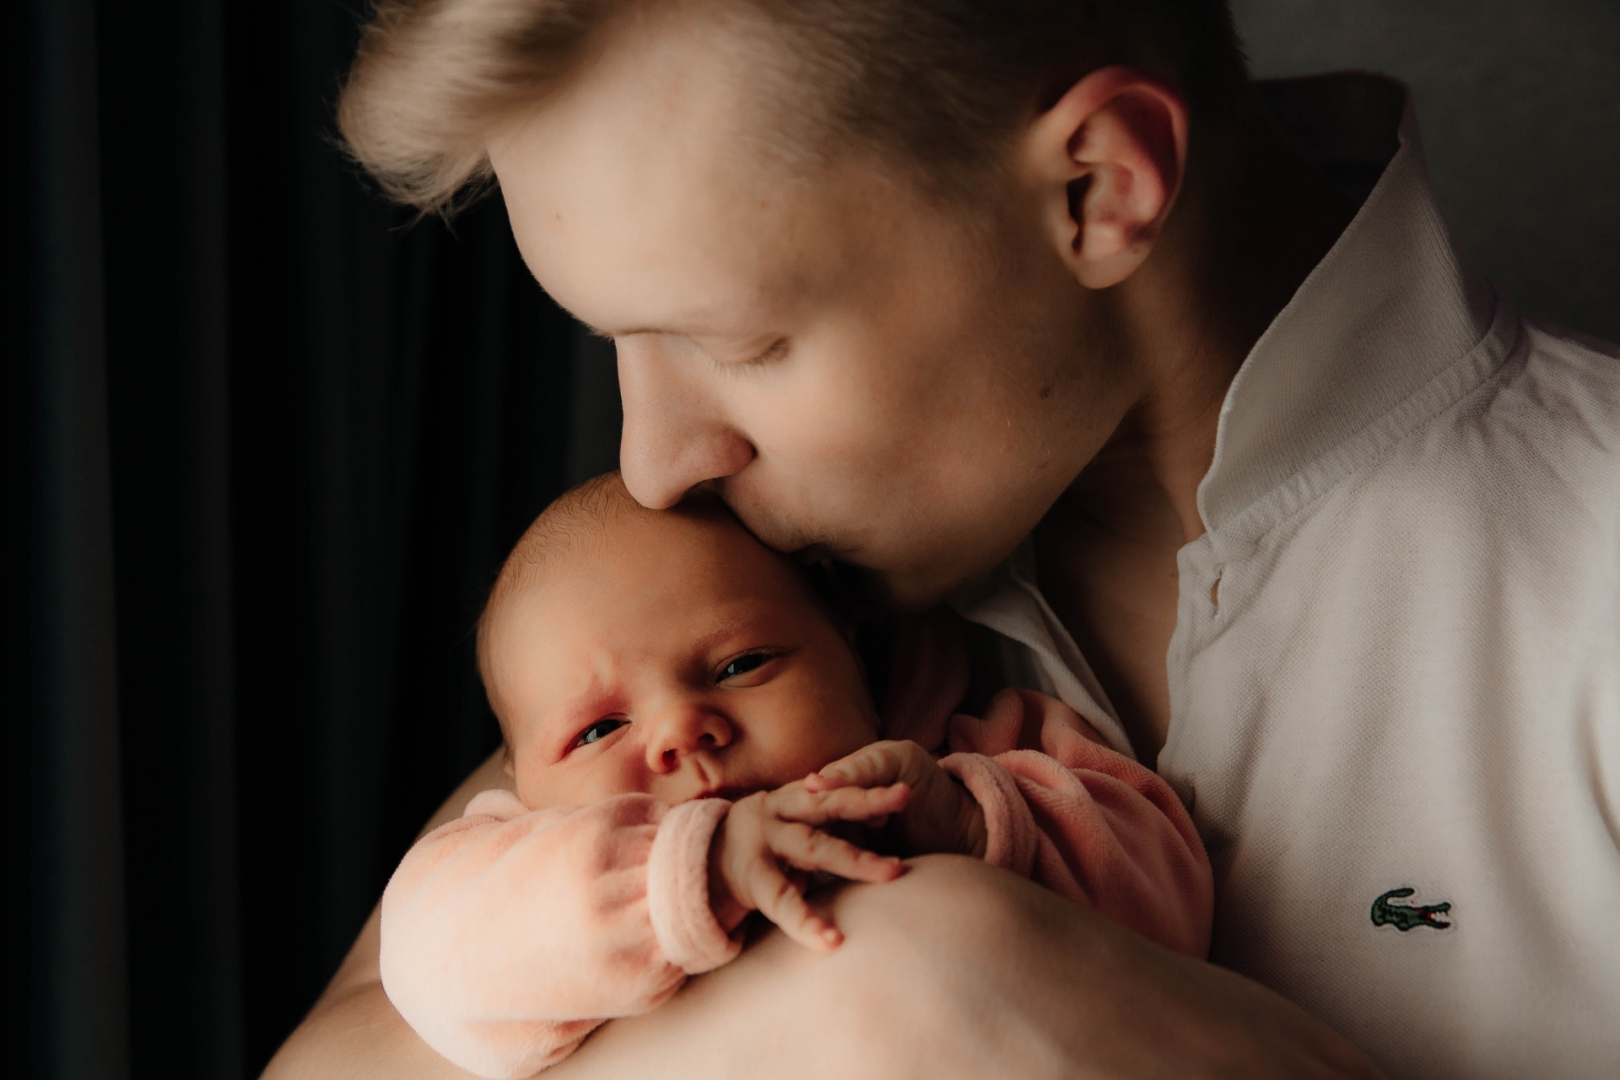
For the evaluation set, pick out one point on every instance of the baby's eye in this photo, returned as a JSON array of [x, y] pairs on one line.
[[600, 730], [743, 665]]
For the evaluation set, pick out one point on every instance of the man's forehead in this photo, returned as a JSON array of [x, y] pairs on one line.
[[642, 203], [659, 106], [630, 246]]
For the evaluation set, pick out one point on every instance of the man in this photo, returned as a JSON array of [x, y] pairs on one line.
[[1172, 387]]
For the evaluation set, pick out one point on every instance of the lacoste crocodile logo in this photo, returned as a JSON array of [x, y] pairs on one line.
[[1404, 917]]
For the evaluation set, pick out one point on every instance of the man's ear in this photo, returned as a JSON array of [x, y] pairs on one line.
[[1108, 157]]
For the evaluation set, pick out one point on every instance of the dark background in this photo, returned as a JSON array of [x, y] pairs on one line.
[[265, 445]]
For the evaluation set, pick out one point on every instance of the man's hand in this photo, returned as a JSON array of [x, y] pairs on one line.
[[986, 972], [940, 818], [769, 834], [959, 971]]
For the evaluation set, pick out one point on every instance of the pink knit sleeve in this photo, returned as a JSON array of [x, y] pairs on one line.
[[1083, 820], [508, 935]]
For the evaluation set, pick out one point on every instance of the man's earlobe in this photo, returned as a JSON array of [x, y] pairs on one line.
[[1109, 157]]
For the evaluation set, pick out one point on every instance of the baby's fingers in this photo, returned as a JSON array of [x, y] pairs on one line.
[[805, 848], [781, 902], [870, 766], [796, 803]]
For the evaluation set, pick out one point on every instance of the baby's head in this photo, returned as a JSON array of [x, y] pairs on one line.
[[665, 652]]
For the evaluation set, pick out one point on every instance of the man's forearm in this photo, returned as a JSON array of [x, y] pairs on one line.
[[354, 1031], [956, 969], [962, 970], [357, 1034]]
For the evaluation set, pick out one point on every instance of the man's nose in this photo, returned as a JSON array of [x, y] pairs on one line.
[[681, 729], [674, 436]]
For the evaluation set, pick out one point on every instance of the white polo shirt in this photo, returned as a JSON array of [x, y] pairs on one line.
[[1408, 693]]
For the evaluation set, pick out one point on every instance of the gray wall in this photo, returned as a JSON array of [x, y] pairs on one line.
[[1519, 104]]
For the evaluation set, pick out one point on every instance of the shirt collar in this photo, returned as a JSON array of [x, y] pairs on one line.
[[1385, 311]]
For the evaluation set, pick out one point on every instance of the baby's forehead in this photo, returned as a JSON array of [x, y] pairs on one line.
[[600, 533], [583, 540], [596, 559]]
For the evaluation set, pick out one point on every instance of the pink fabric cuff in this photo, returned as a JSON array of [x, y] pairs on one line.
[[678, 888], [497, 802], [1010, 832]]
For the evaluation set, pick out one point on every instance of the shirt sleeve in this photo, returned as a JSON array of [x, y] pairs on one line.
[[1063, 809], [508, 935]]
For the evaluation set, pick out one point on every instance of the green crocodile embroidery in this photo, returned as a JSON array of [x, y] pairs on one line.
[[1404, 917]]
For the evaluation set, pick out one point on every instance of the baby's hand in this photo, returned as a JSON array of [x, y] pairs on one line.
[[769, 831], [940, 816]]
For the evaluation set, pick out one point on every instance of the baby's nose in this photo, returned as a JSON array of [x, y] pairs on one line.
[[684, 728]]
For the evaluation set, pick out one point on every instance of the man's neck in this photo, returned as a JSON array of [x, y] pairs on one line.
[[1253, 220]]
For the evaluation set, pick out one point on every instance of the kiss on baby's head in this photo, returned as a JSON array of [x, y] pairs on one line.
[[663, 652], [692, 739]]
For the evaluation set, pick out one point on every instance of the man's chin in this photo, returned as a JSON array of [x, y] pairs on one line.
[[803, 545], [900, 594], [813, 555], [906, 593]]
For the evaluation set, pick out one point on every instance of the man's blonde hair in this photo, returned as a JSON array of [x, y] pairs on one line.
[[933, 86]]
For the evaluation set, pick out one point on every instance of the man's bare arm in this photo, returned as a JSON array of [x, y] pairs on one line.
[[962, 970], [353, 1030], [955, 970]]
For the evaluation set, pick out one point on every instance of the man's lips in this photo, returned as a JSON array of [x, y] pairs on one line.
[[730, 792], [811, 554]]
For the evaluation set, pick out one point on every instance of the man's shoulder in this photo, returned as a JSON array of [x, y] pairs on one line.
[[1529, 456], [1553, 404], [1585, 363]]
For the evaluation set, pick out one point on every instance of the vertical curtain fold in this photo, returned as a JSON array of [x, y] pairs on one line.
[[61, 664], [266, 441], [162, 135]]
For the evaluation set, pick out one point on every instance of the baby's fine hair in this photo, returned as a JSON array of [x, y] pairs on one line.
[[574, 523], [571, 526], [567, 526]]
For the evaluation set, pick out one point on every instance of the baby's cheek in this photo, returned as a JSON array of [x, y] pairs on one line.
[[830, 745], [576, 783]]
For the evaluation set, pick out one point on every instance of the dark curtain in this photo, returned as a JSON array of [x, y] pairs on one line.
[[266, 442]]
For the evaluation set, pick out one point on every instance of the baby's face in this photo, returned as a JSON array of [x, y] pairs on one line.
[[674, 656]]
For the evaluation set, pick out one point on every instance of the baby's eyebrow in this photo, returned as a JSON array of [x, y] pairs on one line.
[[561, 714], [736, 624]]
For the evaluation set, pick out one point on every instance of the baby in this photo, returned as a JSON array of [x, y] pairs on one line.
[[687, 728]]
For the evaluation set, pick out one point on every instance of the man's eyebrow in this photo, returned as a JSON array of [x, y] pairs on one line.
[[612, 335], [703, 322]]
